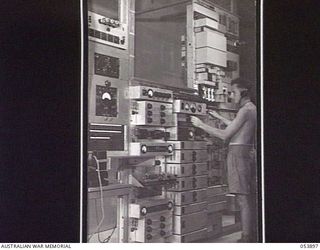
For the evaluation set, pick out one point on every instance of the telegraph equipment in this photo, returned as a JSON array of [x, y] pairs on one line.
[[188, 156], [190, 183], [151, 113], [150, 149], [189, 107], [150, 93], [188, 169], [150, 220], [188, 223], [107, 30]]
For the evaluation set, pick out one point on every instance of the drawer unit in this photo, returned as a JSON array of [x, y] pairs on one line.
[[150, 93], [189, 169], [188, 156], [207, 55], [179, 145], [214, 224], [216, 190], [217, 207], [182, 133], [189, 183], [184, 198], [151, 113], [189, 237], [150, 148], [189, 209], [189, 223]]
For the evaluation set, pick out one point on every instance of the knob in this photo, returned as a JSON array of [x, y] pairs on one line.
[[149, 229], [149, 221], [162, 225], [143, 211], [149, 106], [162, 114], [162, 121], [149, 120], [149, 113], [170, 149], [191, 134], [162, 107], [144, 149], [149, 236], [150, 93], [157, 162], [187, 106], [162, 218], [144, 92], [162, 233], [199, 108], [193, 109], [170, 204]]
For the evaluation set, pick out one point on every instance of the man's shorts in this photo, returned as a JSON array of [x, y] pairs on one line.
[[241, 169]]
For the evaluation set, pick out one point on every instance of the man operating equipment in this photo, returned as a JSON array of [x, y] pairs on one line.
[[240, 161]]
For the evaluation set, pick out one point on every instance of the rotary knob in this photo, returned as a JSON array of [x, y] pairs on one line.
[[191, 134], [149, 236], [162, 218], [162, 233], [150, 93], [199, 108], [143, 211], [193, 108], [149, 229], [162, 107], [187, 106], [170, 149], [144, 149], [149, 221]]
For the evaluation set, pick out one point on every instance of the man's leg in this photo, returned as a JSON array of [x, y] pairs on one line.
[[245, 214]]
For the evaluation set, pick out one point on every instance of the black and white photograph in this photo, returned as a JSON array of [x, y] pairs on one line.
[[172, 121], [159, 121]]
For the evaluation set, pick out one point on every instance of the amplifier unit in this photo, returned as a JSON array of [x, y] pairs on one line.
[[143, 133], [190, 183], [150, 149], [187, 197], [189, 209], [151, 114], [188, 156], [150, 93], [189, 169], [179, 145], [189, 223], [150, 220], [187, 107]]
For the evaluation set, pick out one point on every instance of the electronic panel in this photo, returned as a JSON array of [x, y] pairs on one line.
[[107, 30], [189, 223], [150, 220]]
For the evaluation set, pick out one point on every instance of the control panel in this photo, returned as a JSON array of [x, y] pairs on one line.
[[107, 31], [190, 183], [150, 93], [187, 107], [150, 220], [150, 148], [151, 113]]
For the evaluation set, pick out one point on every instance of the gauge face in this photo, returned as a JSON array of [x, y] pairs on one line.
[[150, 93]]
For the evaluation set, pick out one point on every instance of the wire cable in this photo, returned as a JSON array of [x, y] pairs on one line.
[[101, 199]]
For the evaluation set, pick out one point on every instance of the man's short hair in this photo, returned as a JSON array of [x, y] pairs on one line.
[[244, 84]]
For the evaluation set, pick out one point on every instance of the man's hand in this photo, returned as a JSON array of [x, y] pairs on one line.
[[215, 114], [196, 121]]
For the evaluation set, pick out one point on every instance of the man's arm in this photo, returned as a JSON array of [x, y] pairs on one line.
[[220, 117], [227, 133]]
